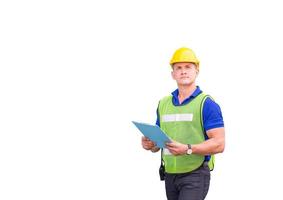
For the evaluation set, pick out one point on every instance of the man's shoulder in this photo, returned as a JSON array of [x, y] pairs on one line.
[[166, 98], [206, 97], [210, 103]]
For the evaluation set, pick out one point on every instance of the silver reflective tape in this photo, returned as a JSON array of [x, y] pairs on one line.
[[166, 152], [177, 117]]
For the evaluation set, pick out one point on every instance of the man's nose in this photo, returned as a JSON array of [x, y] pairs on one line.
[[183, 71]]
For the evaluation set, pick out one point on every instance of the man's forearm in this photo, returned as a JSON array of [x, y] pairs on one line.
[[208, 147]]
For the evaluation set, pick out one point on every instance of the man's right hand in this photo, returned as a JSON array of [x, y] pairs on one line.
[[147, 143]]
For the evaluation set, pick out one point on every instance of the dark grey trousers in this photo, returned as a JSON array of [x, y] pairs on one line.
[[188, 186]]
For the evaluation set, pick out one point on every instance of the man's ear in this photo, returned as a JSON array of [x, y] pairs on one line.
[[172, 75]]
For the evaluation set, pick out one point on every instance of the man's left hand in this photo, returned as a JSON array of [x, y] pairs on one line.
[[177, 148]]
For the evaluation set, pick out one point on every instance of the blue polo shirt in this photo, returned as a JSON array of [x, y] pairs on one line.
[[212, 116]]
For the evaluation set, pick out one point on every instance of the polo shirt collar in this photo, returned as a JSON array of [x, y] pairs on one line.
[[175, 98]]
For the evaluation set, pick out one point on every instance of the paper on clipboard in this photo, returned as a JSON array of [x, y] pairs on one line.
[[154, 133]]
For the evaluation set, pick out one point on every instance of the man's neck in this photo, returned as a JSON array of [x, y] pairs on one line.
[[185, 91]]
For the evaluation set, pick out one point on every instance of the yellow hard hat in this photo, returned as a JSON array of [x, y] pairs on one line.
[[184, 55]]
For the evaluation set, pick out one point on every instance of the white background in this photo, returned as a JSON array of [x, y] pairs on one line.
[[73, 74]]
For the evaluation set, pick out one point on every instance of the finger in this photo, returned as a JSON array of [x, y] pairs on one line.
[[152, 143], [174, 152], [149, 142], [170, 145], [144, 138]]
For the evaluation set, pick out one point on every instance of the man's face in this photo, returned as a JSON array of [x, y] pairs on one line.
[[184, 73]]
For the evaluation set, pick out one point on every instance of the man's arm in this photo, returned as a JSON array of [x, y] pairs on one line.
[[213, 145]]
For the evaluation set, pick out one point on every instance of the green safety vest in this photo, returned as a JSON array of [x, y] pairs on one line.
[[183, 124]]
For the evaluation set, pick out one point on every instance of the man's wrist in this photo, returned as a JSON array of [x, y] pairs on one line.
[[189, 149]]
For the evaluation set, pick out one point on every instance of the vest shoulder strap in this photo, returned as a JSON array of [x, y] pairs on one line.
[[212, 158]]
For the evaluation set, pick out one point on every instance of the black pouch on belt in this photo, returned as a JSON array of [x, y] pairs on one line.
[[162, 169]]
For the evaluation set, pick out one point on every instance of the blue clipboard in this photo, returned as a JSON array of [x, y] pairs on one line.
[[154, 133]]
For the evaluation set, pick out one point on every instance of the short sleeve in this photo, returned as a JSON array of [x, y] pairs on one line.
[[212, 115]]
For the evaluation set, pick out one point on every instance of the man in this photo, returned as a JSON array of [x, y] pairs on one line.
[[194, 123]]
